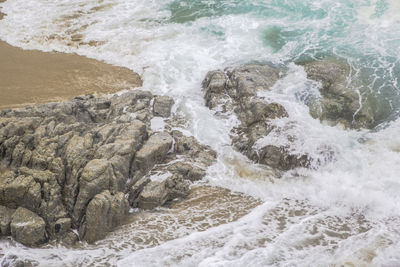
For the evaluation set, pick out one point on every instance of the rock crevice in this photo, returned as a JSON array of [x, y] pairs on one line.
[[82, 164]]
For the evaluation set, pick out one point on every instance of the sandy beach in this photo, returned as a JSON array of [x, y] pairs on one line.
[[28, 77]]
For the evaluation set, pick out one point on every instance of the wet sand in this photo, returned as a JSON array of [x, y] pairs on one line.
[[28, 77]]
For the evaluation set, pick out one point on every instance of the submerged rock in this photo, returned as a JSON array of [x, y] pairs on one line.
[[81, 164], [236, 92], [340, 102]]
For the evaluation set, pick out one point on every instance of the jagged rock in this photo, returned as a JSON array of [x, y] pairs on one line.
[[153, 151], [5, 220], [158, 193], [236, 91], [72, 163], [162, 106], [188, 171], [96, 177], [27, 227], [248, 79], [137, 188], [188, 145], [62, 226], [103, 213], [19, 190], [339, 102]]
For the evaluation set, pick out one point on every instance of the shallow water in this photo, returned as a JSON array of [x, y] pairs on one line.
[[343, 212]]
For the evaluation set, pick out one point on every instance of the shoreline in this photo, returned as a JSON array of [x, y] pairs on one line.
[[36, 77]]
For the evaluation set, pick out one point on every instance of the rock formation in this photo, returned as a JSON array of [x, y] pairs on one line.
[[236, 91], [339, 101], [82, 164]]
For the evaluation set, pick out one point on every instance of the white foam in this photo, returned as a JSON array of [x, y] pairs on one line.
[[157, 124], [359, 187]]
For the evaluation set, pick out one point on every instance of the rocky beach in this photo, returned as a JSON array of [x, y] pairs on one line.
[[186, 133]]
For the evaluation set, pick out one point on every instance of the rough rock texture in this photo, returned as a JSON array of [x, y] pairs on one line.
[[339, 102], [235, 91], [27, 227], [80, 164], [156, 193], [162, 106], [104, 212], [5, 220]]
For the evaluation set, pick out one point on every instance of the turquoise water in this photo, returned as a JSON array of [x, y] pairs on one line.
[[347, 210], [364, 33]]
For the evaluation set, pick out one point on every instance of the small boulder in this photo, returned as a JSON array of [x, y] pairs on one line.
[[339, 102], [188, 171], [104, 212], [162, 106], [19, 190], [27, 227], [157, 194], [153, 151], [251, 78]]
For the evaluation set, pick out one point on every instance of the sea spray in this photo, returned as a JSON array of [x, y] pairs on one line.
[[343, 212]]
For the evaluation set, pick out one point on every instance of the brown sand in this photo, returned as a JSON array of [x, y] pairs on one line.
[[28, 77]]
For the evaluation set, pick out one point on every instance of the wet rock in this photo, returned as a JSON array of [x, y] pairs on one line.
[[158, 193], [248, 79], [136, 189], [5, 220], [339, 102], [190, 147], [70, 239], [188, 171], [103, 213], [14, 261], [62, 226], [27, 227], [19, 190], [95, 178], [236, 92], [162, 106], [71, 164], [153, 151]]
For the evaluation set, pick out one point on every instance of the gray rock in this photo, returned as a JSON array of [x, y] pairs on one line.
[[19, 190], [96, 177], [153, 151], [236, 91], [137, 188], [103, 213], [251, 78], [5, 220], [162, 106], [188, 146], [27, 227], [72, 163], [158, 193], [187, 171], [62, 227], [340, 102]]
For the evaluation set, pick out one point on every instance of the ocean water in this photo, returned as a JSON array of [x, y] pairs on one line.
[[341, 213]]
